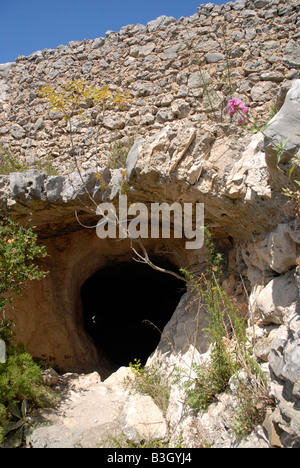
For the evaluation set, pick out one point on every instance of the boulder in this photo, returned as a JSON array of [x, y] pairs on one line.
[[50, 377], [282, 249], [143, 420], [284, 129], [277, 300], [284, 362]]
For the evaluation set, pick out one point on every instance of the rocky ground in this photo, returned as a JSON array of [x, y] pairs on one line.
[[86, 413], [92, 414]]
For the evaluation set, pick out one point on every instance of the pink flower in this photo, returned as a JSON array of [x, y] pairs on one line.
[[234, 106]]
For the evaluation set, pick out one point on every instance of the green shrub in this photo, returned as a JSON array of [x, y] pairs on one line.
[[3, 421], [19, 252], [20, 376], [20, 384]]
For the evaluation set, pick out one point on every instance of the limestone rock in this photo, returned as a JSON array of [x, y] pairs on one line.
[[262, 3], [179, 333], [277, 300], [56, 436], [113, 122], [283, 129], [120, 378], [28, 186], [292, 54], [198, 79], [274, 251], [272, 430], [214, 57], [133, 156], [5, 69], [282, 249], [160, 22], [143, 420], [50, 377], [17, 131], [284, 360]]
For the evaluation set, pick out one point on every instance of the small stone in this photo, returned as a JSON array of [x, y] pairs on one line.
[[291, 56], [113, 122], [50, 377], [198, 79], [171, 53], [214, 57], [17, 131], [180, 108]]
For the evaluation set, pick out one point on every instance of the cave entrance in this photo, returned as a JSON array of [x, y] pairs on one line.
[[125, 305]]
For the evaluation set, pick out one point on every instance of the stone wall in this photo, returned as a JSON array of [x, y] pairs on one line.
[[167, 65]]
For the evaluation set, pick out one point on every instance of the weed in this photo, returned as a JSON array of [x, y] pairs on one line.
[[230, 353], [150, 381], [118, 155], [10, 163]]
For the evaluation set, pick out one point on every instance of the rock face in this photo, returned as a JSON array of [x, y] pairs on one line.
[[185, 150]]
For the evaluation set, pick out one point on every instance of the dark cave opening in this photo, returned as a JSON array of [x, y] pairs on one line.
[[125, 305]]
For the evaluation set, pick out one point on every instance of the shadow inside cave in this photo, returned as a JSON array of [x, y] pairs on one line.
[[126, 307]]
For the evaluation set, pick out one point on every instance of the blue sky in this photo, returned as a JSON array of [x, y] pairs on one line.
[[30, 25]]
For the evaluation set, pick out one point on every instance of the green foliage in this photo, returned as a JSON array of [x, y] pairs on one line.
[[230, 353], [273, 111], [10, 163], [20, 376], [20, 385], [251, 410], [74, 97], [150, 381], [19, 252], [46, 166], [118, 155]]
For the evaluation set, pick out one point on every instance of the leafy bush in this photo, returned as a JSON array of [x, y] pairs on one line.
[[20, 384], [19, 252], [20, 376]]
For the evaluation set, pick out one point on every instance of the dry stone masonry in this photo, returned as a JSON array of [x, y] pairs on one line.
[[166, 65], [180, 74]]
